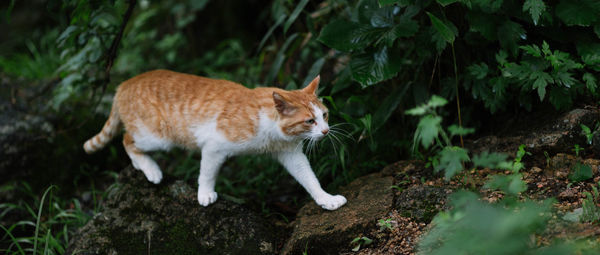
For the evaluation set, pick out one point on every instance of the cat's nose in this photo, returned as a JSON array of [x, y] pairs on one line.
[[325, 131]]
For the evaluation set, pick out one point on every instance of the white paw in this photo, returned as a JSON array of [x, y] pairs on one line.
[[207, 198], [330, 202], [153, 176]]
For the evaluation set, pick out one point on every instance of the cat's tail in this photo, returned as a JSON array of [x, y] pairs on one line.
[[110, 129]]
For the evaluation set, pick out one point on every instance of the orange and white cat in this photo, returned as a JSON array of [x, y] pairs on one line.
[[162, 109]]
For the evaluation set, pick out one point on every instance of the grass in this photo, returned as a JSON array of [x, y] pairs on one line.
[[45, 225]]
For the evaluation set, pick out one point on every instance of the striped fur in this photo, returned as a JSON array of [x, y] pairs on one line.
[[163, 109], [110, 129]]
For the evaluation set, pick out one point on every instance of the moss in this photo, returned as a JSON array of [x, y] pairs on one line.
[[152, 219], [421, 203]]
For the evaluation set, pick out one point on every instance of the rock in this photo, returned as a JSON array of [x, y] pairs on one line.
[[421, 203], [317, 231], [415, 169], [556, 135], [143, 218], [561, 165]]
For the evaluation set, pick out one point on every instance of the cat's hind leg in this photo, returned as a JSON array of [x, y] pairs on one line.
[[209, 169], [141, 161]]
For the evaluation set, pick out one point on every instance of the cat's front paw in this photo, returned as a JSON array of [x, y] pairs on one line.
[[330, 202], [153, 176], [207, 198]]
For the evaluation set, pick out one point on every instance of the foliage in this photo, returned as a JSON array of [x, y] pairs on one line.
[[591, 211], [360, 241], [523, 63], [467, 228], [590, 133], [51, 219], [385, 224], [577, 149]]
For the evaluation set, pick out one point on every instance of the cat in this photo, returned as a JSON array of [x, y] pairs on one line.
[[161, 109]]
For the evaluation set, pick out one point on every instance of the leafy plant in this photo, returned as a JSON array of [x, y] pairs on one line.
[[385, 224], [360, 241], [547, 156], [50, 226], [429, 130], [577, 149], [581, 172], [467, 228], [587, 132], [511, 184], [591, 211]]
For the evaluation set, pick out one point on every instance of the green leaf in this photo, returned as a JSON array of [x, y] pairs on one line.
[[457, 130], [427, 130], [451, 161], [382, 17], [541, 80], [436, 101], [565, 78], [372, 67], [479, 71], [343, 81], [490, 160], [535, 8], [581, 172], [516, 185], [314, 70], [446, 2], [510, 184], [488, 6], [442, 28], [485, 24], [585, 129], [590, 82], [560, 98], [279, 59], [388, 106], [367, 240], [65, 35], [532, 50], [270, 31], [578, 12], [405, 28], [294, 15], [347, 36], [510, 33]]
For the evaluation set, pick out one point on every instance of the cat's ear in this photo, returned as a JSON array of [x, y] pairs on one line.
[[313, 86], [282, 106]]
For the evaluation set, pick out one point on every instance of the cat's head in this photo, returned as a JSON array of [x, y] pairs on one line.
[[302, 114]]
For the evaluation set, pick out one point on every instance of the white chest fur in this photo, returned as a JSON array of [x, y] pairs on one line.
[[268, 138]]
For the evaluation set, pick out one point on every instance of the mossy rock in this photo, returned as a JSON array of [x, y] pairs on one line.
[[422, 203], [143, 218]]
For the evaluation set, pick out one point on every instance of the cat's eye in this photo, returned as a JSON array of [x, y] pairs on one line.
[[311, 121], [324, 115]]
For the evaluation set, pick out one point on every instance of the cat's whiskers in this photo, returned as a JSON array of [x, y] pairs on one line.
[[339, 131], [311, 146], [331, 138]]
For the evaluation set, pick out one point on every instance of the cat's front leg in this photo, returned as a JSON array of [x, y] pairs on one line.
[[298, 166], [209, 169]]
